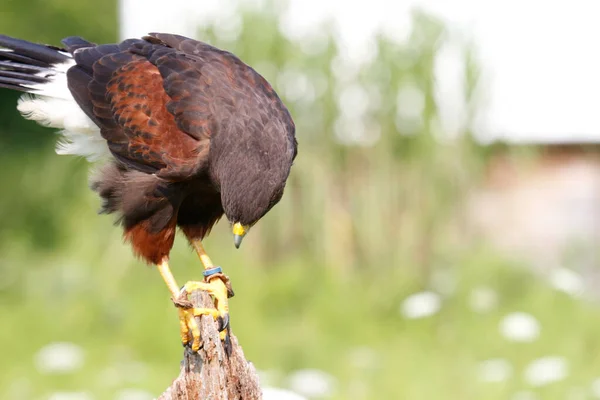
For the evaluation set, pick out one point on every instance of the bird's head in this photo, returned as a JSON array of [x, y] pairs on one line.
[[251, 179], [248, 200]]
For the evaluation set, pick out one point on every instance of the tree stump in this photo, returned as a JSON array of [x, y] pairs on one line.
[[209, 373]]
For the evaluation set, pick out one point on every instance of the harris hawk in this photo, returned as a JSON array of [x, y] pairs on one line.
[[186, 132]]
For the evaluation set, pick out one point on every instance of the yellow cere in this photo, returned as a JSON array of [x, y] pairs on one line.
[[239, 229]]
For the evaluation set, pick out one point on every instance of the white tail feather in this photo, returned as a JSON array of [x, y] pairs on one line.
[[81, 144], [51, 104], [46, 111]]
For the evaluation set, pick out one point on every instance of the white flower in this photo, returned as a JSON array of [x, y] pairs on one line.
[[57, 358], [546, 370], [270, 393], [420, 305], [567, 281], [495, 370], [520, 327], [312, 383], [483, 299]]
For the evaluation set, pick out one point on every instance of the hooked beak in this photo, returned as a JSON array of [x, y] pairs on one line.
[[237, 240], [239, 231]]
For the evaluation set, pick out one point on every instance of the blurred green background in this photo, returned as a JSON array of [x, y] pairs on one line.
[[322, 282]]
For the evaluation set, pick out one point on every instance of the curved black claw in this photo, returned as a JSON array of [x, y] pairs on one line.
[[224, 326], [188, 345], [227, 342], [223, 322], [230, 292]]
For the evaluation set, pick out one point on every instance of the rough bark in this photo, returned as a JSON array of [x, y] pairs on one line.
[[209, 373]]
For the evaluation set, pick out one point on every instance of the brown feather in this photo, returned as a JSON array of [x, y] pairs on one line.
[[153, 247], [138, 104]]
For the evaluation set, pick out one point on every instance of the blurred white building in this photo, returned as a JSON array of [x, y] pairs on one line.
[[541, 59]]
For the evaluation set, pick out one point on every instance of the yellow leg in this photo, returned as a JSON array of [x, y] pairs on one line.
[[168, 277], [204, 258], [215, 285], [216, 280]]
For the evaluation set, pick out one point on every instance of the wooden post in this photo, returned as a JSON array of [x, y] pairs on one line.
[[209, 373]]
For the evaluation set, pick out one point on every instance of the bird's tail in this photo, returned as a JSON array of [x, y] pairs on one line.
[[30, 67], [40, 71]]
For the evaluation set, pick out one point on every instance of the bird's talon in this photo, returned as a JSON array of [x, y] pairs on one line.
[[226, 281], [217, 285], [230, 292], [182, 302], [223, 322], [225, 336]]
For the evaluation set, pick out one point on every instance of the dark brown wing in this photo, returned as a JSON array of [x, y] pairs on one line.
[[138, 103], [120, 88], [231, 83], [158, 101], [241, 99]]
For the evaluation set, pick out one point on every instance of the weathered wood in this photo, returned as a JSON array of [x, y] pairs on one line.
[[210, 374]]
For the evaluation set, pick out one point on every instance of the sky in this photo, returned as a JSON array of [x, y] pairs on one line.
[[540, 58]]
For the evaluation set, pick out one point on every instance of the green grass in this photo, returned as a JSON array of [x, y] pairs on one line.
[[88, 290]]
